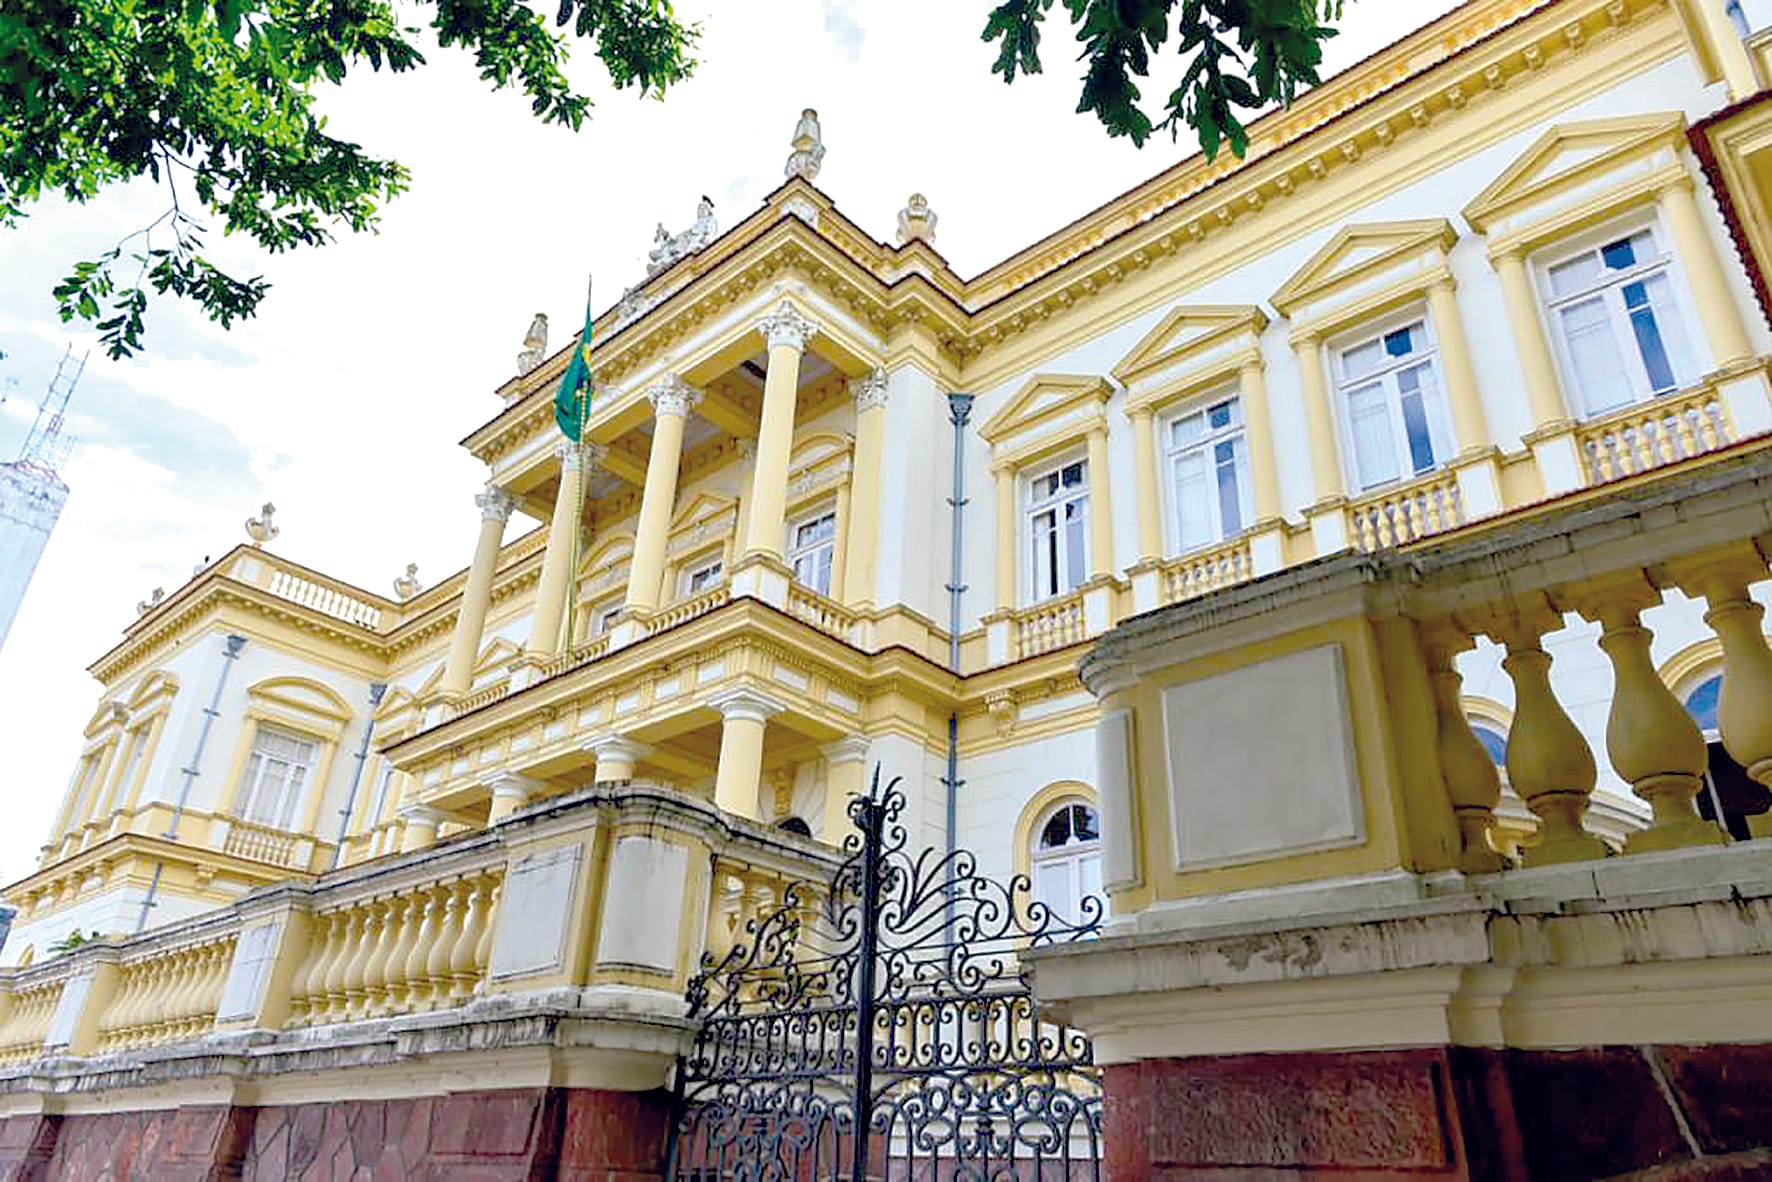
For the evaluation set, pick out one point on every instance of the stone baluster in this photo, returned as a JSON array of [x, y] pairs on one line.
[[450, 919], [215, 980], [1548, 761], [1650, 739], [414, 972], [408, 916], [461, 956], [483, 945], [181, 987], [1744, 711], [339, 971], [308, 992], [1471, 780], [384, 922]]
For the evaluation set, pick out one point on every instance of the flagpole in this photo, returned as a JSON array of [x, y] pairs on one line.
[[583, 395]]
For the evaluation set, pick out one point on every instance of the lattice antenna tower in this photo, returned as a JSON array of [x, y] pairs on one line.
[[47, 447]]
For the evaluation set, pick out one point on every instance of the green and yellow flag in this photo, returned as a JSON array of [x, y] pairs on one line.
[[572, 404]]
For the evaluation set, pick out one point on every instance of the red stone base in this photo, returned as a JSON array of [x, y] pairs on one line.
[[1658, 1114], [528, 1135]]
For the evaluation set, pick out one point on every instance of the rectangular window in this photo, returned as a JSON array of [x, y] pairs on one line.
[[132, 759], [1618, 325], [276, 772], [380, 802], [811, 545], [1058, 530], [1394, 406], [603, 617], [1209, 466], [699, 578]]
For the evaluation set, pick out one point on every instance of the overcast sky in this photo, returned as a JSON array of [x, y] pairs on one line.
[[343, 401]]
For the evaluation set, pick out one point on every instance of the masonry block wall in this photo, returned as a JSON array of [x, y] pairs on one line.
[[1667, 1114], [517, 1135]]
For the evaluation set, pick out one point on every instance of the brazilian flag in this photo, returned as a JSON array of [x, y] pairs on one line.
[[572, 404]]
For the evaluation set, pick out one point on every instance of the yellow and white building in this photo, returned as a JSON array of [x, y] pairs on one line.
[[838, 506]]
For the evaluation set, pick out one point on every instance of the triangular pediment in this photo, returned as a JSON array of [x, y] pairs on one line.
[[1045, 397], [700, 507], [1570, 153], [495, 657], [1184, 333], [1360, 250]]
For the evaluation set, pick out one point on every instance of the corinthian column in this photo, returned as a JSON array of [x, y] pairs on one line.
[[546, 637], [863, 527], [787, 330], [470, 620], [672, 400]]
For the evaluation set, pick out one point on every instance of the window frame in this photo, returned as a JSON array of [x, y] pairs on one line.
[[713, 563], [246, 787], [1571, 247], [1170, 453], [1031, 508], [793, 553], [1071, 855], [1436, 408]]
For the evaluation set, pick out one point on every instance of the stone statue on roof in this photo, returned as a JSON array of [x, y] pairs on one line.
[[668, 248], [535, 344], [808, 154], [916, 221]]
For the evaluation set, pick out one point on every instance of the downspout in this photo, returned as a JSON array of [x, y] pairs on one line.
[[210, 713], [376, 690], [959, 410]]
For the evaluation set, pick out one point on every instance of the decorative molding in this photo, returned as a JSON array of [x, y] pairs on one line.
[[787, 325], [673, 396]]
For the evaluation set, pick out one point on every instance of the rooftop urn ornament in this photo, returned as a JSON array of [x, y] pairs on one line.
[[151, 602], [808, 152], [535, 344], [262, 529], [916, 221], [408, 584]]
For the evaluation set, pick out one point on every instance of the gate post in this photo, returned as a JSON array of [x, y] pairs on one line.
[[871, 815]]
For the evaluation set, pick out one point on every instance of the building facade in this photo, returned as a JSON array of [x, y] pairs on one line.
[[837, 507]]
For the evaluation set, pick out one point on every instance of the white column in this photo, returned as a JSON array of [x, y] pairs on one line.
[[738, 780], [616, 756], [845, 773], [787, 330], [510, 792], [476, 596]]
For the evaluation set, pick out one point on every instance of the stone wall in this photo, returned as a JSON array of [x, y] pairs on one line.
[[518, 1135], [1667, 1114]]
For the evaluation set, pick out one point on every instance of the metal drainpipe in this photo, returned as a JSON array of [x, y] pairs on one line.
[[376, 690], [210, 713], [959, 410]]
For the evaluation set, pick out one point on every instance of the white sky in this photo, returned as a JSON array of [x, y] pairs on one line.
[[343, 401]]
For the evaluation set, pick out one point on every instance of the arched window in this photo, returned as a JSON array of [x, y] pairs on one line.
[[1067, 858], [1701, 704], [1494, 741]]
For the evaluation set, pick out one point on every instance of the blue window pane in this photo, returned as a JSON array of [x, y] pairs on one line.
[[1649, 343], [1421, 443], [1494, 742], [1399, 344], [1230, 513], [1701, 704], [1620, 255], [1220, 415]]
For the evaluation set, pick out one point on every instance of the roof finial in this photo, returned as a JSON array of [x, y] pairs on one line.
[[808, 152]]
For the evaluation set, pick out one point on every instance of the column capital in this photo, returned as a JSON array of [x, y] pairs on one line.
[[673, 396], [495, 503], [421, 814], [869, 390], [512, 784], [619, 748], [577, 457], [850, 749], [746, 704], [787, 325]]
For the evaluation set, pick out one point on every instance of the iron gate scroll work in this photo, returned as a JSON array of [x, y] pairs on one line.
[[878, 1027]]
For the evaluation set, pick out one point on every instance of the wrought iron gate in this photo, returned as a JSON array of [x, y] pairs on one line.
[[878, 1027]]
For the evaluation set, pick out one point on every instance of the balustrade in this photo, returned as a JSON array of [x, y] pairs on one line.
[[1052, 624], [1399, 516], [27, 1009], [1200, 571], [1654, 434], [165, 995]]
